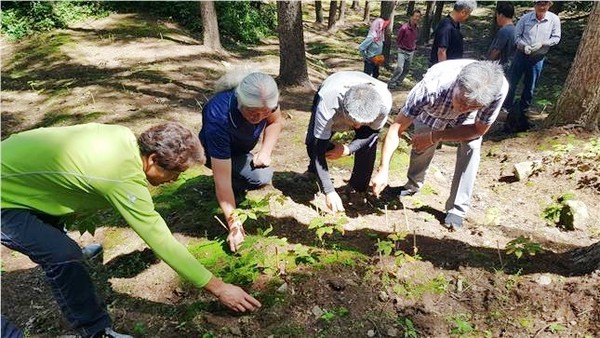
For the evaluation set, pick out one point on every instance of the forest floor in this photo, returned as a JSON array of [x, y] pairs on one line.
[[354, 281]]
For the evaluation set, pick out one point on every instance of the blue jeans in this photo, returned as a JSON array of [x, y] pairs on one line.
[[529, 67], [62, 261], [404, 60]]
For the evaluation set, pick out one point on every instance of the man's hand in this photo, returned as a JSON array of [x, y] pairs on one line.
[[261, 160], [422, 141], [338, 151], [527, 50], [232, 296], [236, 235], [334, 202], [379, 182], [535, 47]]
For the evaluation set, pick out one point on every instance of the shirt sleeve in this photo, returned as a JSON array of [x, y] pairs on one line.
[[365, 44], [555, 34], [133, 201], [444, 35], [417, 99], [519, 33]]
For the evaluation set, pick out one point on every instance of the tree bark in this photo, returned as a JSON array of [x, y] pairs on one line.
[[319, 11], [556, 7], [355, 5], [210, 25], [292, 54], [426, 26], [410, 8], [333, 5], [387, 13], [585, 260], [342, 17], [367, 12], [579, 101], [437, 16]]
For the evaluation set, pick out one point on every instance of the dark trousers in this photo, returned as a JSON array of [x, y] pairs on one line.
[[244, 175], [62, 261], [371, 69]]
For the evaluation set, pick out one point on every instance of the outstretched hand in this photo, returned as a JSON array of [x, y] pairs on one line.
[[236, 235], [232, 296]]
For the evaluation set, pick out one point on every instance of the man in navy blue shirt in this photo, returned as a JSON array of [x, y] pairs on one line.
[[448, 40], [245, 107]]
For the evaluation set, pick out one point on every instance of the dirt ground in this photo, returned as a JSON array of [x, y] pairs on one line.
[[138, 71]]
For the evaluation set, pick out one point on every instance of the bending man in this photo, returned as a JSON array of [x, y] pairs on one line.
[[457, 100], [346, 100]]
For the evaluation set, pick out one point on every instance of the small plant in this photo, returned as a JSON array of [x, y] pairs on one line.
[[329, 315], [556, 328], [521, 245], [139, 329], [552, 213], [252, 208], [408, 327], [327, 224], [461, 324]]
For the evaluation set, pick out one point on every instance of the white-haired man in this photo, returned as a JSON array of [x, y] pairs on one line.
[[346, 100], [457, 100], [245, 106]]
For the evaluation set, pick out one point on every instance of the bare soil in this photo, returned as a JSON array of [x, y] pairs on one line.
[[138, 71]]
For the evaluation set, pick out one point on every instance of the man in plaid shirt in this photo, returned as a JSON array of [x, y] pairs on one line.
[[457, 100]]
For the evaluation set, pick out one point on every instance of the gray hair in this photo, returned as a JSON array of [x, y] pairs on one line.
[[468, 5], [362, 103], [257, 90], [481, 81]]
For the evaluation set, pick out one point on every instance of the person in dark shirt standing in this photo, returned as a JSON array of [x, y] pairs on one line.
[[406, 39], [503, 47], [448, 40]]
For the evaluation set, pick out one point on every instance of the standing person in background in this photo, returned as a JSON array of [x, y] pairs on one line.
[[536, 32], [406, 39], [371, 48], [85, 168], [447, 39], [503, 46], [245, 107]]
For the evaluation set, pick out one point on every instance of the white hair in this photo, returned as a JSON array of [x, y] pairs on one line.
[[468, 5], [253, 88], [481, 81], [362, 103]]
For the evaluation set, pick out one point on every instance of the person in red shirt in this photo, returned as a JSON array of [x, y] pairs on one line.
[[406, 40]]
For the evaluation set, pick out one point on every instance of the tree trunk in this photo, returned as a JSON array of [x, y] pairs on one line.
[[579, 101], [437, 16], [585, 260], [210, 26], [387, 13], [333, 5], [292, 55], [556, 7], [426, 26], [355, 5], [410, 8], [342, 17], [319, 11], [367, 12]]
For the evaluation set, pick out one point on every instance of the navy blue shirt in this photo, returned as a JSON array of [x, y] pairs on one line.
[[447, 35], [225, 132]]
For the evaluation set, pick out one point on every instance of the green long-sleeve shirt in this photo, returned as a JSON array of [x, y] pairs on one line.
[[89, 167]]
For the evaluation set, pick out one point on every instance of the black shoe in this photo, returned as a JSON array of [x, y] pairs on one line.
[[109, 333], [399, 191], [93, 252], [453, 222]]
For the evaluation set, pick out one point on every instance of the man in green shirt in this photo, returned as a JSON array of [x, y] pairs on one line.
[[51, 172]]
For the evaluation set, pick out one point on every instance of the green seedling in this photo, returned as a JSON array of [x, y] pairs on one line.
[[327, 224], [521, 245], [552, 213], [408, 327], [461, 324]]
